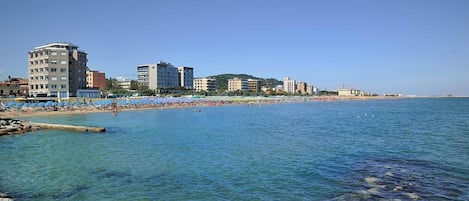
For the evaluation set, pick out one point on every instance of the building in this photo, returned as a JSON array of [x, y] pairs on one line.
[[124, 83], [301, 88], [310, 90], [14, 87], [186, 77], [254, 85], [205, 84], [56, 69], [158, 76], [349, 92], [95, 80], [289, 85], [237, 84]]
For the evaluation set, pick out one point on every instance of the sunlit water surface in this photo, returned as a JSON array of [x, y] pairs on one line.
[[339, 150]]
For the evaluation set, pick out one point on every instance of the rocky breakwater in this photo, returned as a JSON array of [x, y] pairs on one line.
[[5, 197], [10, 126]]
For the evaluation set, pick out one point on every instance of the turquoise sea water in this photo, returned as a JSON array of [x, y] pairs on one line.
[[337, 150]]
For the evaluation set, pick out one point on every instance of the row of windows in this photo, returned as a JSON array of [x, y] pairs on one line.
[[46, 69], [46, 52], [46, 61], [53, 78], [45, 86]]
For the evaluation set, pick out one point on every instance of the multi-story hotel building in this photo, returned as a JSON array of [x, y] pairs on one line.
[[237, 84], [289, 85], [56, 69], [254, 85], [186, 77], [301, 87], [158, 76], [205, 84], [95, 80]]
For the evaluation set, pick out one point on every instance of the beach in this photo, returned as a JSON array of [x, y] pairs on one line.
[[12, 109]]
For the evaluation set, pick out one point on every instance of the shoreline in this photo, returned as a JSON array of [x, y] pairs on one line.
[[189, 103]]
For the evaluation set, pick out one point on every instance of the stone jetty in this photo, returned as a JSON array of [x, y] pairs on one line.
[[70, 127], [5, 197], [10, 126]]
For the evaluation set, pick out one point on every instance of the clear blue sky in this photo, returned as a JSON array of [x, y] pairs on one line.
[[418, 47]]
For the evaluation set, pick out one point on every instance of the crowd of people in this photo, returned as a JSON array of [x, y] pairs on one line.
[[122, 104]]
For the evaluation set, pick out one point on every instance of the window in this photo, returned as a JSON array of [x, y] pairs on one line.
[[53, 86], [63, 54], [46, 69], [63, 86], [53, 61], [63, 70], [31, 62], [63, 62], [31, 78], [63, 78], [31, 70], [53, 78], [53, 70], [46, 61], [53, 53]]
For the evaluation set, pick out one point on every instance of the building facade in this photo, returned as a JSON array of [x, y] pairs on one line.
[[95, 80], [301, 88], [254, 85], [205, 84], [56, 69], [237, 84], [158, 76], [186, 77], [289, 85], [14, 87]]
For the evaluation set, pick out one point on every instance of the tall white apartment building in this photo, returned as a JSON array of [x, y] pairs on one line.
[[289, 85], [57, 70]]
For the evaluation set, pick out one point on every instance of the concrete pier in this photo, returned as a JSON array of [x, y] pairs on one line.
[[70, 127]]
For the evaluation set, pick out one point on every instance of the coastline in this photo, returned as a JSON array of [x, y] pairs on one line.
[[200, 102]]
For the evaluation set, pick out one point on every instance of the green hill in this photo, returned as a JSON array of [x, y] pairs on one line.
[[222, 80]]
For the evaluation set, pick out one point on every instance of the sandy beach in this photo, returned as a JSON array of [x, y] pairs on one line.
[[123, 105]]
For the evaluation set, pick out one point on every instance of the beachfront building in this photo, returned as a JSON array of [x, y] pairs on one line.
[[14, 87], [95, 80], [310, 90], [186, 77], [158, 76], [124, 83], [289, 85], [56, 69], [254, 85], [349, 92], [301, 87], [205, 84], [237, 84]]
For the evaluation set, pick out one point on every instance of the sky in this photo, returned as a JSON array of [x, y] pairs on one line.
[[414, 47]]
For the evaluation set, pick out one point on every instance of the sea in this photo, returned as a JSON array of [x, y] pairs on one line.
[[390, 149]]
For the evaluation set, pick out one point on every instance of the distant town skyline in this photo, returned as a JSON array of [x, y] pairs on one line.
[[412, 47]]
